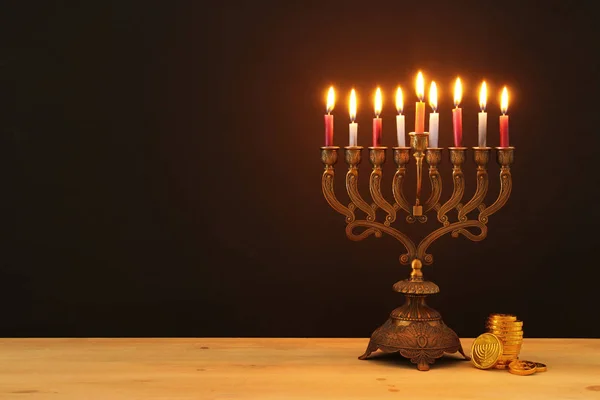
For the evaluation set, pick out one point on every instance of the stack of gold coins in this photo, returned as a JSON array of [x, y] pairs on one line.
[[510, 332]]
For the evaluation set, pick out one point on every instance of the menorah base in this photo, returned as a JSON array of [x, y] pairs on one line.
[[416, 331]]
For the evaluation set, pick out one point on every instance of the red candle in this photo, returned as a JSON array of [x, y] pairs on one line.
[[329, 118], [420, 105], [504, 119], [377, 121], [457, 114]]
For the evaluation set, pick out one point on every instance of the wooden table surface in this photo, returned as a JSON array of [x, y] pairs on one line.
[[247, 368]]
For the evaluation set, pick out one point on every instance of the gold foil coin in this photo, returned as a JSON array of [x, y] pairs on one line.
[[511, 324], [507, 337], [505, 328], [501, 322], [539, 367], [523, 368], [486, 350], [511, 345], [504, 317]]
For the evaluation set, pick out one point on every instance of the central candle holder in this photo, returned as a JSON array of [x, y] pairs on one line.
[[414, 329]]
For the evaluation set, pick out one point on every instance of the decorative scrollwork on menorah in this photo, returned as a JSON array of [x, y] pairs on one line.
[[414, 329]]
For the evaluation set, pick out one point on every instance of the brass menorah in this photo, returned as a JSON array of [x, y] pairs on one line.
[[414, 329]]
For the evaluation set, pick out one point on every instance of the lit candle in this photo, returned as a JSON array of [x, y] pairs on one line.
[[400, 126], [420, 106], [504, 118], [434, 117], [329, 118], [353, 125], [457, 114], [377, 120], [482, 121]]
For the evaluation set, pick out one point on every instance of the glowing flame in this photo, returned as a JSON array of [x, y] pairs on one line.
[[420, 86], [483, 96], [399, 100], [457, 92], [330, 99], [433, 96], [504, 100], [378, 102], [352, 105]]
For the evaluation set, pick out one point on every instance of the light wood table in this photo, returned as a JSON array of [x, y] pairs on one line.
[[114, 369]]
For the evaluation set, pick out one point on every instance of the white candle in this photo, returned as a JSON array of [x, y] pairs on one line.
[[400, 127], [434, 117], [353, 133], [434, 126], [400, 123], [482, 121], [353, 125], [482, 128]]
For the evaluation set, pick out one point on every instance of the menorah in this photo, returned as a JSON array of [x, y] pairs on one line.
[[414, 329]]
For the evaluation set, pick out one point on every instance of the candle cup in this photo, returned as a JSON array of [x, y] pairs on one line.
[[353, 155], [481, 155], [377, 155], [419, 141], [401, 156], [329, 155], [505, 156], [457, 155], [433, 156]]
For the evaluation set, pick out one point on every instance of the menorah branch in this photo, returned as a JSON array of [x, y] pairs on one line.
[[377, 158], [433, 158], [329, 157], [457, 157], [401, 158], [353, 158], [455, 228], [481, 156], [376, 228], [505, 157]]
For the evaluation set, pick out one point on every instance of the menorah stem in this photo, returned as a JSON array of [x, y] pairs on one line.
[[419, 159], [418, 142]]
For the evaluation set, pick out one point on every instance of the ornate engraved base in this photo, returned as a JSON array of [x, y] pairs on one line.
[[414, 329]]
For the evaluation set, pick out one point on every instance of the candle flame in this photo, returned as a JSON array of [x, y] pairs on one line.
[[399, 100], [378, 102], [433, 96], [420, 86], [457, 92], [330, 100], [352, 105], [483, 96], [504, 100]]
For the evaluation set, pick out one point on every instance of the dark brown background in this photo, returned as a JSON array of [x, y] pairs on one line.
[[164, 174]]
